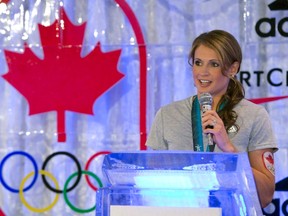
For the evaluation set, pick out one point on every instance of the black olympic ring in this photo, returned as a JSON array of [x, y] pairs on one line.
[[78, 167]]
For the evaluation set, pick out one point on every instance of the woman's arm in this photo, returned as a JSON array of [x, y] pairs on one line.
[[262, 163]]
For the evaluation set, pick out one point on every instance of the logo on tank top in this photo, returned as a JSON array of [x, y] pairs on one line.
[[232, 129]]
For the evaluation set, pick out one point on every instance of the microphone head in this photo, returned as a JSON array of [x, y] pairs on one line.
[[205, 98], [205, 101]]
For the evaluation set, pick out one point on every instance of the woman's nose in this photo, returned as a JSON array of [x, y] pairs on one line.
[[204, 69]]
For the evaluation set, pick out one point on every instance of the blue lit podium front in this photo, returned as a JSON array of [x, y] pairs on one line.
[[164, 183]]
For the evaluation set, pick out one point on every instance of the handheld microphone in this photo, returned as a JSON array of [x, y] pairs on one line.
[[205, 101]]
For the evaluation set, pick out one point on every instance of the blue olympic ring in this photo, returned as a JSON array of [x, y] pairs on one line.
[[35, 169]]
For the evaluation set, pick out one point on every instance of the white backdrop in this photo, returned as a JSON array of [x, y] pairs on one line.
[[168, 27]]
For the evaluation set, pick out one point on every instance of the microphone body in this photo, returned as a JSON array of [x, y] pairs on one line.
[[206, 101]]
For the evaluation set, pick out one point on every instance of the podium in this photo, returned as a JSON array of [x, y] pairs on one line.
[[164, 183]]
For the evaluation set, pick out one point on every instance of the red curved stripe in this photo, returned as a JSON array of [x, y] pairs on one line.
[[1, 212], [5, 2], [143, 65], [268, 99]]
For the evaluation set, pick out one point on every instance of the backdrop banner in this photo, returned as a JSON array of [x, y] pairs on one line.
[[80, 79]]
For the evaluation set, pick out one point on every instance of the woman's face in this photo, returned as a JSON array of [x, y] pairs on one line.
[[207, 72]]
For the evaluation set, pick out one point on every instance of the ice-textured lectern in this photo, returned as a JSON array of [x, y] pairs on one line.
[[164, 183]]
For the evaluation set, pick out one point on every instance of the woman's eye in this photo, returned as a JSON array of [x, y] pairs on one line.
[[197, 62], [215, 64]]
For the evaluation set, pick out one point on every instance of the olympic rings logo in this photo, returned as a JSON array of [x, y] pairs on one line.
[[46, 174]]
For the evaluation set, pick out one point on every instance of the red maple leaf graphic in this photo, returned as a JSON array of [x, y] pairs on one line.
[[270, 159], [62, 81]]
